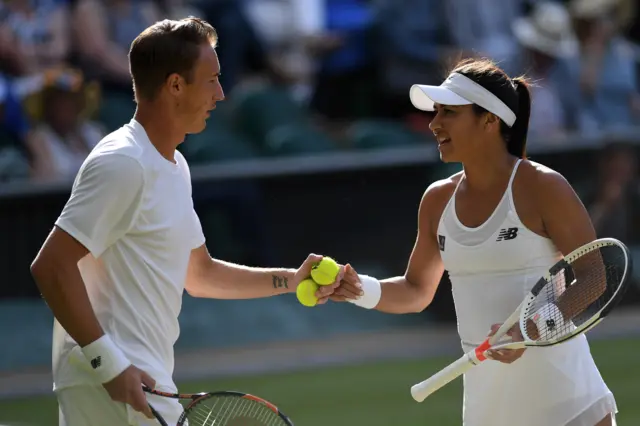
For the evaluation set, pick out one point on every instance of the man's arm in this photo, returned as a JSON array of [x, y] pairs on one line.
[[102, 205], [217, 279], [414, 291], [55, 271]]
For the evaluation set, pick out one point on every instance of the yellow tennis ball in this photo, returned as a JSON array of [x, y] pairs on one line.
[[306, 292], [325, 271]]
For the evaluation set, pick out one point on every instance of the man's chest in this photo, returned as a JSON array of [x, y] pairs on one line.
[[166, 218]]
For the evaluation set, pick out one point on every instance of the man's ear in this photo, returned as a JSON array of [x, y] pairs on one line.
[[175, 84]]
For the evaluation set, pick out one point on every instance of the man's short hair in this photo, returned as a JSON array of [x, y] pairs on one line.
[[165, 48]]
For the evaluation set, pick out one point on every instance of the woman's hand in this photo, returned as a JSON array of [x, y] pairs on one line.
[[506, 355]]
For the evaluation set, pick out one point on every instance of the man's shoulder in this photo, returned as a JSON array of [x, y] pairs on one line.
[[117, 157], [121, 141], [184, 164]]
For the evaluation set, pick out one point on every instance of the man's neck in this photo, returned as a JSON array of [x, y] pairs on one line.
[[161, 128]]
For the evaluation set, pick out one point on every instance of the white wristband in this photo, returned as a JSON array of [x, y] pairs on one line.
[[105, 358], [372, 291], [549, 321]]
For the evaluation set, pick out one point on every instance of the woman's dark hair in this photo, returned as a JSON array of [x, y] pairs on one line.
[[513, 92]]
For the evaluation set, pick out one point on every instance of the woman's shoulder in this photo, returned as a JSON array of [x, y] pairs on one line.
[[440, 191], [533, 169], [444, 186], [542, 180]]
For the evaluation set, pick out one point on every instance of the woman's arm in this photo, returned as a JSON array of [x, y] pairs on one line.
[[567, 223], [415, 290], [565, 219]]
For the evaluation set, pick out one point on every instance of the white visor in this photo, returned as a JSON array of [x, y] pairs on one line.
[[460, 90]]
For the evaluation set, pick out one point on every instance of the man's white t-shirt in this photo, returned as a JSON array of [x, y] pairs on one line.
[[132, 209]]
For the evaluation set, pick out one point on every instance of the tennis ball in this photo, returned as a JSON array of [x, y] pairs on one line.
[[306, 292], [325, 271]]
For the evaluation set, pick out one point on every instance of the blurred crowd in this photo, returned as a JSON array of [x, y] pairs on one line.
[[307, 76]]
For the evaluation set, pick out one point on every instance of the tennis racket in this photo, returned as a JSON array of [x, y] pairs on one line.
[[226, 408], [573, 296]]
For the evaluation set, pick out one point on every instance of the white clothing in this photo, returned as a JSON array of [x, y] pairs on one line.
[[492, 267], [132, 209], [92, 406]]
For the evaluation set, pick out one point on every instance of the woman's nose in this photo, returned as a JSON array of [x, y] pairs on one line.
[[435, 124]]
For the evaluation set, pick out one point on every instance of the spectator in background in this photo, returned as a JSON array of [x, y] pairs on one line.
[[103, 33], [243, 52], [345, 64], [64, 137], [293, 33], [414, 44], [613, 199], [484, 28], [40, 31], [629, 14], [550, 49], [607, 71], [14, 133], [12, 59], [177, 9]]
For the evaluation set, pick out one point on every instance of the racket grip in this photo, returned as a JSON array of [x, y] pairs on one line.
[[425, 388]]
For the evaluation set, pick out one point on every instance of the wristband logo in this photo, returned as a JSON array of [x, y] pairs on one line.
[[96, 362]]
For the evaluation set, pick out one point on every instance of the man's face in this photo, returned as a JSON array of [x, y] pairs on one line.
[[203, 92]]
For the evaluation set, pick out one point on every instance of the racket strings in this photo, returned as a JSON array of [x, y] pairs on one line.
[[576, 293], [231, 411]]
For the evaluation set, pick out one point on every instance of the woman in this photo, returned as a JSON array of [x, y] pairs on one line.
[[497, 226], [64, 138]]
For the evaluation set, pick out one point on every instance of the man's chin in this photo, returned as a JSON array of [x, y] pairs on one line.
[[197, 128]]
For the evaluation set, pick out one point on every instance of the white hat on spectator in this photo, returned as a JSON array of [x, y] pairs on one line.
[[591, 8], [547, 29]]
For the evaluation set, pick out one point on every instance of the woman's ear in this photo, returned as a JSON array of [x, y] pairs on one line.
[[491, 120]]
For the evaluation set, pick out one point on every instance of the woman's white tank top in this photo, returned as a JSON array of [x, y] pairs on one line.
[[492, 267]]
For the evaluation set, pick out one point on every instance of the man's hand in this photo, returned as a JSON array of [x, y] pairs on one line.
[[127, 388], [304, 272], [506, 355], [350, 286]]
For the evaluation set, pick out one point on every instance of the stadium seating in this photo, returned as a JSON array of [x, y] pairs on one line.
[[370, 134], [275, 123], [218, 142]]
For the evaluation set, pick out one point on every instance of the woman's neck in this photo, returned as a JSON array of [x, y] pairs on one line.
[[486, 171]]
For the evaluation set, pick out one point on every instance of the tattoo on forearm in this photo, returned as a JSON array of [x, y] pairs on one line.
[[279, 282]]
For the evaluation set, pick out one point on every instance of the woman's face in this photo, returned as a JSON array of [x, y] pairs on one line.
[[62, 112], [458, 131]]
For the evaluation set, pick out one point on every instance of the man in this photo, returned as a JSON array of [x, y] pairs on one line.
[[128, 242]]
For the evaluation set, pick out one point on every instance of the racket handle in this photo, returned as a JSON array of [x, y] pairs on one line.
[[158, 416], [425, 388]]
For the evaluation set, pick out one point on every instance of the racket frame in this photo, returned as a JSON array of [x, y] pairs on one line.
[[195, 398], [422, 390]]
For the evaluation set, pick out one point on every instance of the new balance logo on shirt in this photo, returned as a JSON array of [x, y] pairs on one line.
[[507, 234]]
